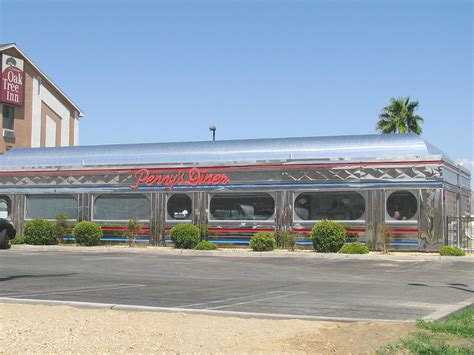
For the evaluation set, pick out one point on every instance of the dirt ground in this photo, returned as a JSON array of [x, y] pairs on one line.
[[48, 329]]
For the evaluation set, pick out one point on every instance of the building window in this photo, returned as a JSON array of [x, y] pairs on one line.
[[402, 205], [242, 206], [115, 207], [336, 206], [51, 206], [5, 207], [8, 117], [179, 206]]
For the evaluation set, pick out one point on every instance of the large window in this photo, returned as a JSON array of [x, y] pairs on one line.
[[337, 206], [242, 206], [402, 205], [8, 117], [5, 207], [115, 207], [51, 206], [179, 206]]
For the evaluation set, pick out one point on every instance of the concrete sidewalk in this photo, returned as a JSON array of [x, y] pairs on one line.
[[247, 253]]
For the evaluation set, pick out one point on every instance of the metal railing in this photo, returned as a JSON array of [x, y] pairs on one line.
[[460, 233]]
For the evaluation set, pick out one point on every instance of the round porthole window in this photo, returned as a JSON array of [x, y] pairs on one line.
[[4, 207], [402, 205]]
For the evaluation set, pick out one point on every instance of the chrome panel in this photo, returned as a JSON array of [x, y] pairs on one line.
[[431, 220]]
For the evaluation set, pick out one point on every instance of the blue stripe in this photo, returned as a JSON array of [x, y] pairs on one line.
[[402, 243], [110, 239], [183, 187], [233, 241]]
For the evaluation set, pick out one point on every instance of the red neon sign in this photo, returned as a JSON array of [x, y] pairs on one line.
[[191, 177]]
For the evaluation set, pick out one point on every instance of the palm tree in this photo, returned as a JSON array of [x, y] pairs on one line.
[[399, 117]]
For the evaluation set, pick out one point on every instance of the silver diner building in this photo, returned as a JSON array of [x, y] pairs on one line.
[[369, 183]]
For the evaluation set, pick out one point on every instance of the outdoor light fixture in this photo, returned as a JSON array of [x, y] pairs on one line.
[[213, 130]]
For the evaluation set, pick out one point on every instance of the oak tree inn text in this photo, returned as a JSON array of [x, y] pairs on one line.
[[236, 187]]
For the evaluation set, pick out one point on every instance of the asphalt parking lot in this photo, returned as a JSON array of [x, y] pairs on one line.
[[346, 288]]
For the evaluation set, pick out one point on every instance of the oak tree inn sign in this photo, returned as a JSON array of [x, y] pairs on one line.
[[12, 79]]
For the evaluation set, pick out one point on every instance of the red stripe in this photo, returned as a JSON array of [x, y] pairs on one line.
[[408, 231], [114, 229], [242, 167], [122, 229], [347, 230], [237, 230]]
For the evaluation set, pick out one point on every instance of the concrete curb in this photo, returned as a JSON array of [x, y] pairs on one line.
[[239, 253], [134, 308], [448, 310]]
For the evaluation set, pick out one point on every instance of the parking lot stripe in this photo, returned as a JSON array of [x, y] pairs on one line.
[[259, 300], [231, 299]]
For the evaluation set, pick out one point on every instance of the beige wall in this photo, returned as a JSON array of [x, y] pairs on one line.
[[24, 114]]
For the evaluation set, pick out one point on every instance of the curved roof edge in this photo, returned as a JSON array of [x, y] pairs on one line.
[[342, 148]]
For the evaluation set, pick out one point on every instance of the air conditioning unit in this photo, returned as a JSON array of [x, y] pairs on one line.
[[8, 133]]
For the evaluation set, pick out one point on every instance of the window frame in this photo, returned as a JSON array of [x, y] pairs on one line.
[[414, 219], [75, 196], [12, 108], [167, 217], [362, 219], [269, 220], [96, 196]]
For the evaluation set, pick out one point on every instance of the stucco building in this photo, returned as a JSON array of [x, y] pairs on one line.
[[34, 111]]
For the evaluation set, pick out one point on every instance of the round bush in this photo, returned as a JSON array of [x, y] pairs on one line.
[[87, 233], [354, 248], [205, 245], [20, 239], [451, 251], [263, 241], [185, 236], [40, 232], [328, 236]]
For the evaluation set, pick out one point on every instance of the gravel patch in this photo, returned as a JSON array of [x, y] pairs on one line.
[[61, 329]]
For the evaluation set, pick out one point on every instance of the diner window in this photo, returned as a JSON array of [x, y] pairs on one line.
[[8, 116], [51, 206], [179, 206], [116, 207], [402, 205], [337, 206], [5, 207], [242, 206]]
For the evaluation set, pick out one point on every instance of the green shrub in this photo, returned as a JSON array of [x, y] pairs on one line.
[[134, 229], [40, 232], [328, 236], [451, 251], [19, 239], [354, 248], [87, 233], [185, 236], [61, 225], [263, 241], [285, 240], [370, 245], [352, 237], [205, 245]]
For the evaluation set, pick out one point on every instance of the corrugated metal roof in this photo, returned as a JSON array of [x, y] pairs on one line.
[[358, 148]]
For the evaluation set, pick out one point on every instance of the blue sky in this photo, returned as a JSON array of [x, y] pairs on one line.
[[152, 71]]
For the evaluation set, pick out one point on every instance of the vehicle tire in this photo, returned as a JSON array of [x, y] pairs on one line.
[[4, 240]]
